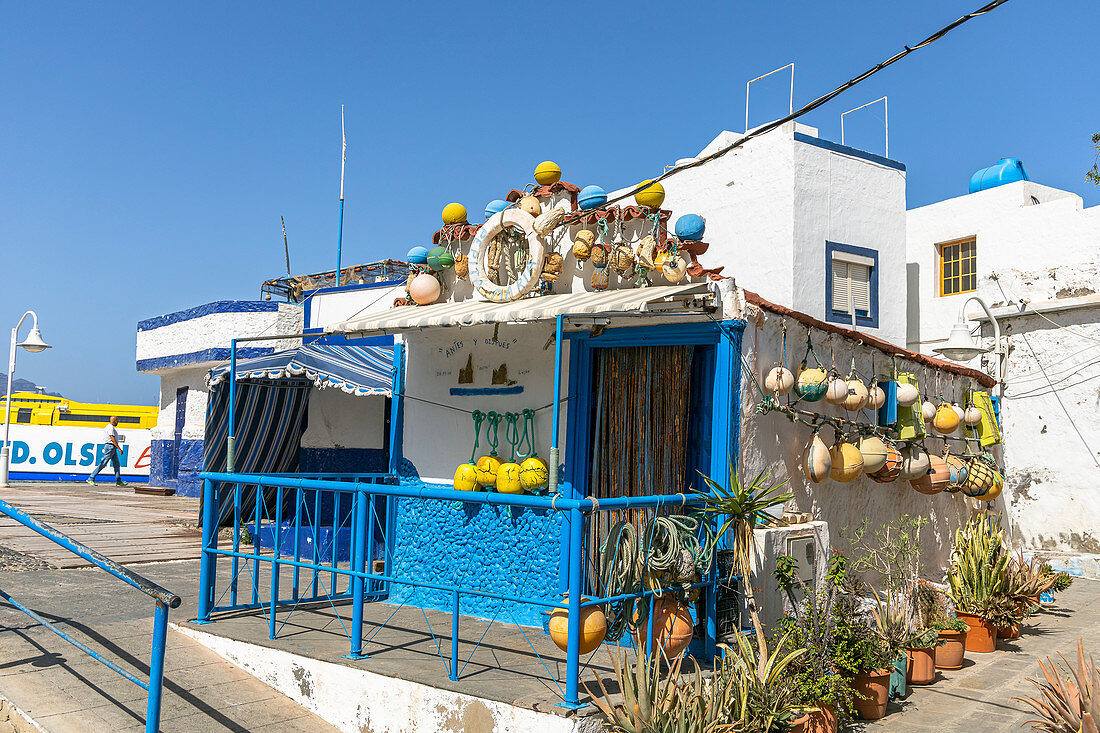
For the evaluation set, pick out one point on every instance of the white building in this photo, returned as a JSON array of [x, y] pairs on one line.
[[1032, 253]]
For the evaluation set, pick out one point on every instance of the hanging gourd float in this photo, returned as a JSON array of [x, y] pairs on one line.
[[547, 172], [591, 197], [531, 205], [466, 477], [907, 394], [779, 381], [417, 256], [812, 384], [937, 478], [873, 450], [891, 468], [424, 289], [847, 462], [582, 244], [652, 196], [980, 477], [593, 627], [487, 468], [454, 213], [439, 259], [690, 227], [672, 626], [674, 269], [508, 479], [876, 397], [816, 460], [495, 207], [857, 395], [972, 416], [914, 462], [946, 420], [836, 392]]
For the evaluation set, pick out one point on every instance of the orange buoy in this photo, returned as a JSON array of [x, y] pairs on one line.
[[593, 627]]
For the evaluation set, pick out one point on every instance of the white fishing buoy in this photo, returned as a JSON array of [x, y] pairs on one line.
[[874, 453], [972, 416], [857, 395], [779, 381], [907, 394], [928, 411], [816, 461], [876, 398], [837, 391], [914, 462]]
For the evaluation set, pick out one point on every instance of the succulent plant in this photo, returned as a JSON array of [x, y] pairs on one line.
[[1069, 699], [977, 574]]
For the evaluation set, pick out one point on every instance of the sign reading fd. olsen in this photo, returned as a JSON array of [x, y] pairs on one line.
[[51, 449]]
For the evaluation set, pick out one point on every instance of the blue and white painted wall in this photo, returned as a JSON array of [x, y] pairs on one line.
[[180, 347]]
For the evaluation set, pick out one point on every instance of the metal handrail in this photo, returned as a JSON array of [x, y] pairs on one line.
[[164, 599]]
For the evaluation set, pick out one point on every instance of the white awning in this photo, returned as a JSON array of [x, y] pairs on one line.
[[628, 301]]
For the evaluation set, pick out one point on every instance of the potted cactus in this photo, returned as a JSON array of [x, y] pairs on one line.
[[976, 580]]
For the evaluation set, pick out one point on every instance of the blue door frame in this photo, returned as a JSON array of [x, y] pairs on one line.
[[724, 339]]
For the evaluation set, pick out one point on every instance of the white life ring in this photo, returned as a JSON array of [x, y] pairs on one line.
[[479, 269]]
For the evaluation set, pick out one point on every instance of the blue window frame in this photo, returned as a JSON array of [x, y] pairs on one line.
[[867, 317]]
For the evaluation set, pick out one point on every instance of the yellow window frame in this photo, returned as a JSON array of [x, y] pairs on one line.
[[957, 267]]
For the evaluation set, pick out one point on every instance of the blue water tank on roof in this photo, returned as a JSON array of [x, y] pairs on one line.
[[1007, 170]]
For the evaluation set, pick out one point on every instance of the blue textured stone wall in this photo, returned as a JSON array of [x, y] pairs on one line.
[[186, 482], [342, 460], [513, 552]]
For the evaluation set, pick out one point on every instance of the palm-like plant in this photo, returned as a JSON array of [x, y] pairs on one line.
[[1069, 700], [742, 508], [762, 697]]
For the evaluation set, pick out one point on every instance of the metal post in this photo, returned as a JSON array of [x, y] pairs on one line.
[[573, 648], [5, 452], [358, 561], [396, 412], [277, 534], [230, 440], [559, 329], [454, 635], [207, 559], [343, 161], [156, 667]]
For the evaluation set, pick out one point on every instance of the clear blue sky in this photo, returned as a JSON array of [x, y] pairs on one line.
[[147, 150]]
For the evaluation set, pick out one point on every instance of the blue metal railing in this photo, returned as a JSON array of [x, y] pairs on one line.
[[364, 491], [164, 600]]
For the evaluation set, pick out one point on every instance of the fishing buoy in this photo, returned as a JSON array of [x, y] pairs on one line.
[[417, 256], [816, 461], [548, 221], [582, 244], [847, 462], [857, 395], [462, 266], [946, 420], [533, 473], [466, 477], [674, 269], [914, 462], [440, 259], [779, 381], [591, 197], [837, 391], [531, 205], [928, 411], [979, 478], [876, 397], [454, 213], [972, 416], [508, 479], [424, 289], [957, 469], [995, 490], [652, 195], [547, 172], [891, 468], [811, 384], [937, 478], [690, 227], [495, 207], [487, 467], [873, 450], [593, 627], [907, 394], [958, 411]]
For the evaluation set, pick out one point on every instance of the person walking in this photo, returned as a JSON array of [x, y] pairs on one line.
[[111, 453]]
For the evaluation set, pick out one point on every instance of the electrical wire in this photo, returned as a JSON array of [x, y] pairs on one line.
[[820, 101]]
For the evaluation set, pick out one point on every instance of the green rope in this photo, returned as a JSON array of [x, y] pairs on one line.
[[479, 417], [528, 436], [619, 573], [511, 431], [672, 548], [493, 418]]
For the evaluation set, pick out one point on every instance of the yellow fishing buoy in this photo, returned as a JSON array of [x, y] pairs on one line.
[[466, 477], [593, 627], [533, 473], [508, 479], [454, 213], [811, 384], [653, 195], [946, 420], [847, 462], [487, 467], [547, 172]]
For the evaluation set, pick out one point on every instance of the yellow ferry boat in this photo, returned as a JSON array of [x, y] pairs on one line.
[[32, 408]]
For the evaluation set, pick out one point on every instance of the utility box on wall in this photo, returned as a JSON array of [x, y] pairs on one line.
[[807, 543]]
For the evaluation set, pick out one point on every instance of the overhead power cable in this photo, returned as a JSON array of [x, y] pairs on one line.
[[823, 99]]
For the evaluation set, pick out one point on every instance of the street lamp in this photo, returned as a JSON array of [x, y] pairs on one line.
[[33, 343], [961, 346]]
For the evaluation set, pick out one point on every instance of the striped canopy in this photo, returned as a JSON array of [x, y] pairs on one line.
[[357, 370]]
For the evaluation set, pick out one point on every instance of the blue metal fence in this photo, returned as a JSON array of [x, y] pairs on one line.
[[364, 495], [164, 600]]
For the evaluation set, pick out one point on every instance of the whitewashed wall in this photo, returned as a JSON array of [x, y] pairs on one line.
[[215, 331], [344, 305], [772, 443], [436, 438], [339, 420], [194, 425]]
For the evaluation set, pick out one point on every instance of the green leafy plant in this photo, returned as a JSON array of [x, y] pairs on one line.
[[762, 699], [889, 556], [976, 576], [742, 508], [1069, 695], [1061, 581], [930, 607]]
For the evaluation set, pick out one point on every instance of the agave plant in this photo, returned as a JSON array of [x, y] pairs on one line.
[[976, 577], [1069, 700], [743, 508], [761, 695], [1026, 580]]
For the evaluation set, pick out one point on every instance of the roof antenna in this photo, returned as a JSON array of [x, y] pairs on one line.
[[286, 246]]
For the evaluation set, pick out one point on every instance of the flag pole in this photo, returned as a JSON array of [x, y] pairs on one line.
[[343, 160]]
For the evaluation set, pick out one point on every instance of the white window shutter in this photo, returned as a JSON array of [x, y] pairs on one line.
[[840, 286], [860, 283]]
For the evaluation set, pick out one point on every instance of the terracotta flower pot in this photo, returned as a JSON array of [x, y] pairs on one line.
[[921, 669], [950, 654], [982, 637], [872, 690], [1012, 631], [818, 720]]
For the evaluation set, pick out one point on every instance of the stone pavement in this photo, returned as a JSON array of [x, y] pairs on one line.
[[977, 698]]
